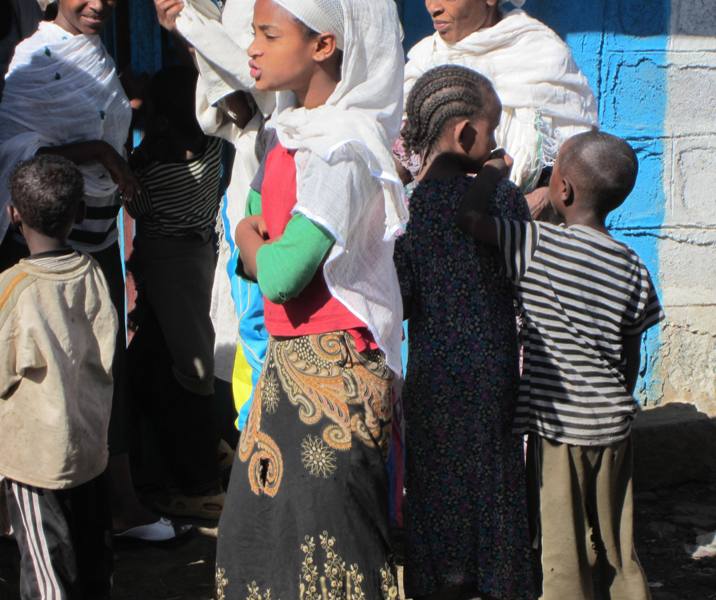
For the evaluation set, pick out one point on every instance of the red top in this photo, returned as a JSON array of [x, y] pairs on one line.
[[315, 310]]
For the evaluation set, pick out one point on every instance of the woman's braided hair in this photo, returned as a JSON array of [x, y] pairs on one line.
[[439, 96]]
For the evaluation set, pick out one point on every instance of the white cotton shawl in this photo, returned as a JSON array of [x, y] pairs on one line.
[[346, 178], [545, 97], [61, 88]]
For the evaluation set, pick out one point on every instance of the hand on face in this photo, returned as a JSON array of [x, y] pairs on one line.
[[456, 19], [500, 160], [83, 16]]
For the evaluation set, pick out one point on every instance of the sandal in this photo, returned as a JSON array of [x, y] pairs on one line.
[[194, 507]]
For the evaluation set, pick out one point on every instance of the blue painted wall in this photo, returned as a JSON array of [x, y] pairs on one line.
[[622, 48], [621, 45]]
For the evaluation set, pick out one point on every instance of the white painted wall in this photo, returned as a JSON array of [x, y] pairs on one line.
[[687, 249]]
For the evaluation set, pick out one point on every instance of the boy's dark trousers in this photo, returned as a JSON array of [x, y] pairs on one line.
[[64, 538]]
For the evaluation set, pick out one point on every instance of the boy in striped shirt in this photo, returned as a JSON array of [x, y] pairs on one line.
[[587, 300]]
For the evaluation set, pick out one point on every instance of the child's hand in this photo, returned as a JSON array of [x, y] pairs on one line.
[[250, 234], [238, 108], [167, 12], [538, 201], [501, 161], [129, 186], [258, 224]]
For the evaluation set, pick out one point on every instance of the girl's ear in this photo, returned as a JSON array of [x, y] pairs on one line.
[[325, 47], [464, 136]]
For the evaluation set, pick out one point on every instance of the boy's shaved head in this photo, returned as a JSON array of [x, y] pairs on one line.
[[601, 167]]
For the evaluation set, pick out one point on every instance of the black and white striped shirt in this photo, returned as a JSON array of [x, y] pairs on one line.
[[98, 229], [582, 293], [180, 198]]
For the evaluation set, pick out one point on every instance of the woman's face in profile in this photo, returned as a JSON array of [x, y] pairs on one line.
[[456, 19], [83, 16]]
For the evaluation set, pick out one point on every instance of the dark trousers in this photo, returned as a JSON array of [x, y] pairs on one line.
[[182, 424], [64, 540], [110, 261]]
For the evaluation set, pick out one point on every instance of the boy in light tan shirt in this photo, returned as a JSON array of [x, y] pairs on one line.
[[57, 334]]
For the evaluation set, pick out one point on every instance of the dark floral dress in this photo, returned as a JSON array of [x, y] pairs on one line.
[[466, 516]]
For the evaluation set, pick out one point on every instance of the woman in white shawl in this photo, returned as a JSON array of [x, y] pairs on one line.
[[62, 96], [545, 97], [307, 502]]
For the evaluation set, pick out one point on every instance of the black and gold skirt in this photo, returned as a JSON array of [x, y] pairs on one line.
[[306, 516]]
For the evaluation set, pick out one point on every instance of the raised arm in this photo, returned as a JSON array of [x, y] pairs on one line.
[[471, 215], [100, 151]]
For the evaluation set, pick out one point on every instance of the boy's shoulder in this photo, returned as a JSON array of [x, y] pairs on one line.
[[583, 235], [580, 242], [58, 269], [13, 282]]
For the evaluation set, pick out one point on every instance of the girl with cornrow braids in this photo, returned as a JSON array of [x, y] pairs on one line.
[[466, 517], [546, 99]]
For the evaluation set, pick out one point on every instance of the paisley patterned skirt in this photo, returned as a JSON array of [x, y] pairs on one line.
[[306, 516]]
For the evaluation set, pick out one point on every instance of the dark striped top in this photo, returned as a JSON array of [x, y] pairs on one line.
[[180, 198], [98, 228], [582, 293]]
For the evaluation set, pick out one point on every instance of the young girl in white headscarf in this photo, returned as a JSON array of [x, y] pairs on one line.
[[307, 504]]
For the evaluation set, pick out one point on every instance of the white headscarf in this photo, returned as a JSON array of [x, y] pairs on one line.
[[346, 178], [322, 16], [61, 88], [545, 97]]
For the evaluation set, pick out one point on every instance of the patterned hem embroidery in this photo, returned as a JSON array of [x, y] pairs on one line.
[[318, 458], [339, 581], [221, 583], [255, 592]]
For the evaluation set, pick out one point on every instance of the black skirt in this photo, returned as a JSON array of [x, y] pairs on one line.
[[306, 515]]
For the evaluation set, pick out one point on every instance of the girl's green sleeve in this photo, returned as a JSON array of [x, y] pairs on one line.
[[285, 267]]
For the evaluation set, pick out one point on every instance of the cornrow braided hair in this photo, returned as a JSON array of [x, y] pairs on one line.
[[440, 95]]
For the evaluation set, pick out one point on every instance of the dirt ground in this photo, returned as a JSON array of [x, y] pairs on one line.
[[667, 521]]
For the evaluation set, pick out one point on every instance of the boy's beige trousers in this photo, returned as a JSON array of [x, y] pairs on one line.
[[582, 505]]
